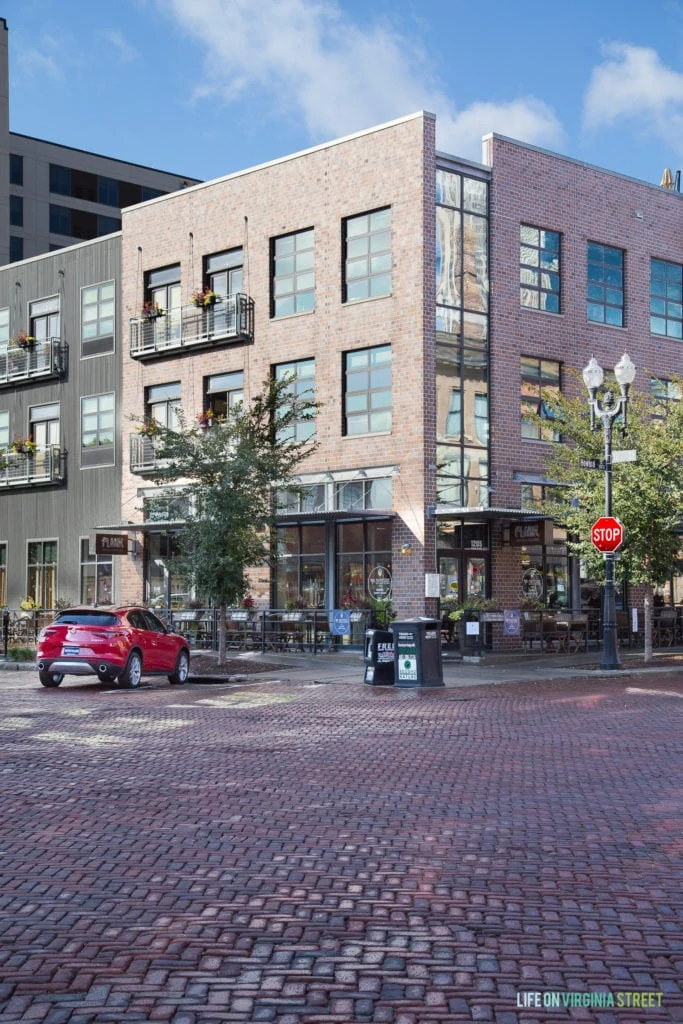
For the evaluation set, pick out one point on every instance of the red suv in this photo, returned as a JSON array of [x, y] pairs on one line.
[[112, 643]]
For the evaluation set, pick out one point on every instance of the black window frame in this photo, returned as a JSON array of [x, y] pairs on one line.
[[542, 266], [598, 270], [348, 259]]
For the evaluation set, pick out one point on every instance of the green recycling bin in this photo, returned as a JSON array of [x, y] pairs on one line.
[[417, 652]]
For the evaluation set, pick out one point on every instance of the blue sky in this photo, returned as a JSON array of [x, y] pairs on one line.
[[206, 87]]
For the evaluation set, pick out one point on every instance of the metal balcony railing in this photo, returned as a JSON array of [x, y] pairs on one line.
[[229, 319], [143, 453], [23, 469], [41, 359]]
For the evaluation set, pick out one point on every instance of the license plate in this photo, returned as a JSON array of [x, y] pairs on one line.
[[71, 650]]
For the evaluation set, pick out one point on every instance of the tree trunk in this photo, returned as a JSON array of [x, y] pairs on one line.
[[647, 627], [221, 634]]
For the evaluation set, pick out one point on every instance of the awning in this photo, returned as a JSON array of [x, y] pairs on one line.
[[148, 527], [481, 514]]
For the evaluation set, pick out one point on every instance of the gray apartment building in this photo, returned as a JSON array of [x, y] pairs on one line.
[[52, 195], [424, 300]]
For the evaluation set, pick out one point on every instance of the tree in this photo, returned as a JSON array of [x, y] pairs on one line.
[[647, 495], [231, 472]]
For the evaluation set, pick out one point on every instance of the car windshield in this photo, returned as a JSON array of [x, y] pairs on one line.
[[87, 619]]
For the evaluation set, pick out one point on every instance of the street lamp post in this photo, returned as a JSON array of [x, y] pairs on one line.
[[606, 408]]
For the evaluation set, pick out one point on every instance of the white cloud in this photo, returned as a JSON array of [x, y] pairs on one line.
[[316, 65], [632, 83], [126, 52]]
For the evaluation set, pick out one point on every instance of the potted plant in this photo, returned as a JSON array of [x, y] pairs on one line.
[[150, 428], [206, 419], [204, 297], [150, 311], [470, 610], [24, 341], [23, 445]]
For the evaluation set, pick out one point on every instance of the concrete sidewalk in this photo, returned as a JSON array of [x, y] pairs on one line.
[[493, 669]]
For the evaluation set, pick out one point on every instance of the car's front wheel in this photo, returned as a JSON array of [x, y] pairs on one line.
[[182, 669], [50, 678], [132, 673], [106, 677]]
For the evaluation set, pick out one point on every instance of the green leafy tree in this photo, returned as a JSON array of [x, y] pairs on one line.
[[647, 495], [231, 474]]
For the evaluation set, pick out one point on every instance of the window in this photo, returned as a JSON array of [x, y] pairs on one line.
[[44, 425], [42, 572], [60, 220], [666, 298], [224, 392], [367, 391], [664, 392], [300, 567], [96, 576], [60, 180], [367, 255], [539, 272], [16, 211], [107, 191], [16, 169], [4, 429], [605, 285], [162, 287], [162, 405], [361, 546], [107, 225], [45, 326], [301, 386], [16, 248], [98, 303], [97, 430], [3, 575], [293, 273], [4, 330], [223, 274], [353, 495], [539, 377]]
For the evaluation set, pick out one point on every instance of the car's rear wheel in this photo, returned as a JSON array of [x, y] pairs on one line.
[[50, 678], [182, 669], [132, 673]]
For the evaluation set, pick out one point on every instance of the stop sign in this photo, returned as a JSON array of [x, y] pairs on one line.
[[607, 534]]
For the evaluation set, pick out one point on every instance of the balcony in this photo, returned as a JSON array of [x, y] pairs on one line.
[[44, 359], [192, 327], [143, 454], [44, 467]]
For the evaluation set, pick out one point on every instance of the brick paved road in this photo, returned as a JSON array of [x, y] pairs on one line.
[[337, 853]]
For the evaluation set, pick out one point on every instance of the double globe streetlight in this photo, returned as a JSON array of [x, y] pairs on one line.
[[606, 408]]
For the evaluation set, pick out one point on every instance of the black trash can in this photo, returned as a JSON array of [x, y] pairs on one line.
[[379, 657], [417, 652]]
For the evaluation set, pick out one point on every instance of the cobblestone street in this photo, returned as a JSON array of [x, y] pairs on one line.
[[299, 853]]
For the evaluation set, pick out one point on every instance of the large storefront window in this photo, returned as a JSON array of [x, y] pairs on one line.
[[165, 581], [360, 547], [300, 572], [544, 572]]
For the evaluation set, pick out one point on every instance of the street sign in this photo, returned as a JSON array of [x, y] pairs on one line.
[[607, 534], [625, 455], [592, 464]]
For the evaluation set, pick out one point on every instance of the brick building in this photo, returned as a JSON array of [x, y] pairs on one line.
[[425, 301]]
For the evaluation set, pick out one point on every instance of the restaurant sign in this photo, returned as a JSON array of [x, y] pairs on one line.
[[111, 543]]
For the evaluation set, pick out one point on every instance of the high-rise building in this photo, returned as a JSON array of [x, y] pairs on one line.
[[53, 195]]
